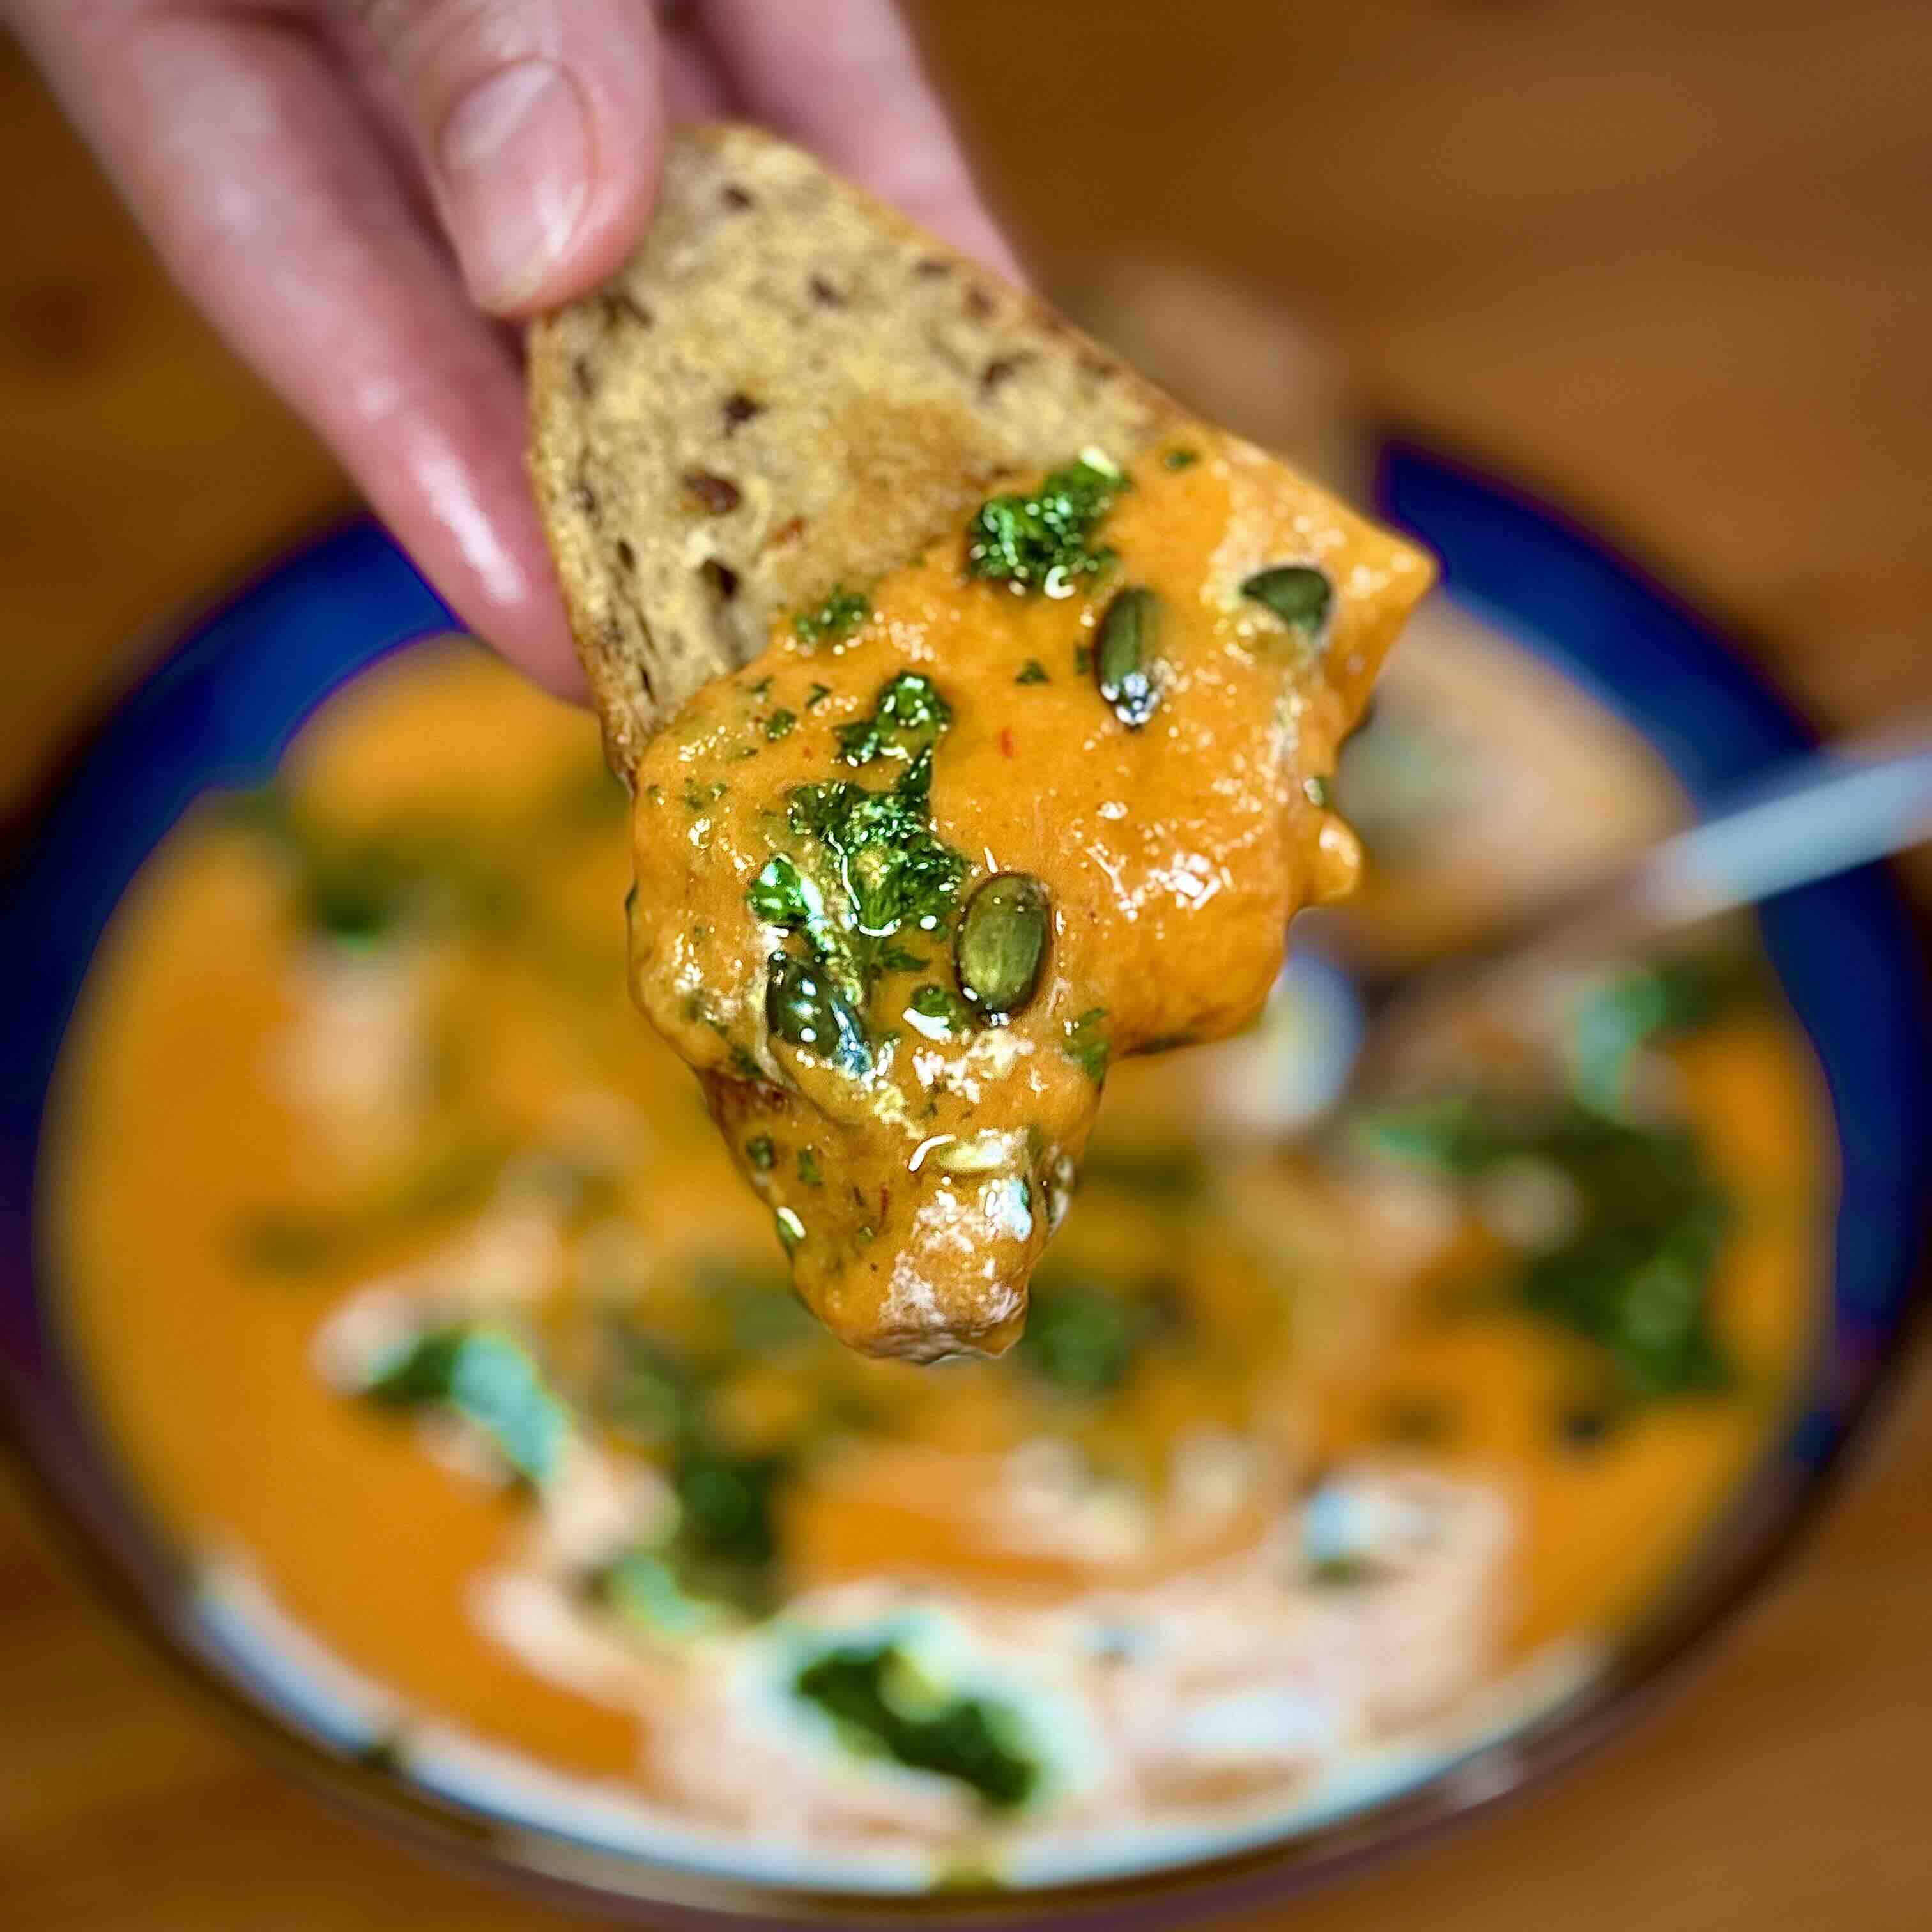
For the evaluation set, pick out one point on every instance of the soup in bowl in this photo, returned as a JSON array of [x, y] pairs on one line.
[[412, 1292]]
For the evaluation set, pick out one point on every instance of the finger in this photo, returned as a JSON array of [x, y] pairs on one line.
[[272, 205], [540, 126], [843, 78]]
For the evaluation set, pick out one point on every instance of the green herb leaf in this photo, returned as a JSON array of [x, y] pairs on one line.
[[446, 1180], [1628, 1011], [894, 870], [944, 1014], [908, 717], [1033, 672], [1339, 1572], [780, 723], [1084, 1334], [1040, 541], [358, 886], [648, 1393], [721, 1560], [884, 1706], [1633, 1274], [652, 1589], [781, 895], [838, 617], [1170, 1174], [867, 867], [727, 1501], [486, 1374]]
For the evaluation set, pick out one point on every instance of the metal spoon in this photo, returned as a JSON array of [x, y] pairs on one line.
[[1841, 807]]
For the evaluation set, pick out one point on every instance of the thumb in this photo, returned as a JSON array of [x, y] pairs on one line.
[[540, 127]]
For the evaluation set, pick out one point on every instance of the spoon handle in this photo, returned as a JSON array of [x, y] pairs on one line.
[[1823, 815]]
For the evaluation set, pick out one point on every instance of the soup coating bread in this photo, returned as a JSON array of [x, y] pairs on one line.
[[976, 702]]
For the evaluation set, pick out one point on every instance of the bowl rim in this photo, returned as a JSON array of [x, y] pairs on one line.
[[1526, 568]]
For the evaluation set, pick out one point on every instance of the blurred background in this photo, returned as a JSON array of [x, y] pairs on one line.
[[1669, 266]]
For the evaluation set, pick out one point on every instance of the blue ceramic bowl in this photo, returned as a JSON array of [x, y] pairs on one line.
[[222, 707]]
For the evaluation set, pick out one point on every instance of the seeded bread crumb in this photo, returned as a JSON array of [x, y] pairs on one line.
[[786, 388]]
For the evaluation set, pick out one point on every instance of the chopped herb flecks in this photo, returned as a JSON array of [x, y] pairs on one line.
[[654, 1589], [1628, 1010], [1083, 1335], [838, 617], [938, 1013], [1634, 1274], [1179, 459], [720, 1560], [896, 872], [861, 868], [1040, 541], [759, 1151], [485, 1373], [908, 718], [444, 1180], [868, 867], [808, 1169], [779, 723], [884, 1706], [1033, 672], [360, 887]]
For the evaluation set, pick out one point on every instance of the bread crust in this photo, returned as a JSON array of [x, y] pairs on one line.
[[787, 387]]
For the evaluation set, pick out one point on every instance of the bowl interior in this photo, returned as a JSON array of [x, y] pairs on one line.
[[221, 709]]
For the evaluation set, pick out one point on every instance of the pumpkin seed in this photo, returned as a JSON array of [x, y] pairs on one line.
[[1297, 593], [1001, 944], [803, 1007], [1126, 665]]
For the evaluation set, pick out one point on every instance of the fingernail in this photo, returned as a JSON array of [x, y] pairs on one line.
[[514, 161]]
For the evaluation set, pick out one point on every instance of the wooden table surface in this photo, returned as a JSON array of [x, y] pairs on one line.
[[1672, 263]]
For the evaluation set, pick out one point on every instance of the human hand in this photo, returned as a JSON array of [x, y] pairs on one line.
[[360, 194]]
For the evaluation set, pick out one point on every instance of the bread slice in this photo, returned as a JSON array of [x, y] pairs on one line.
[[787, 386]]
